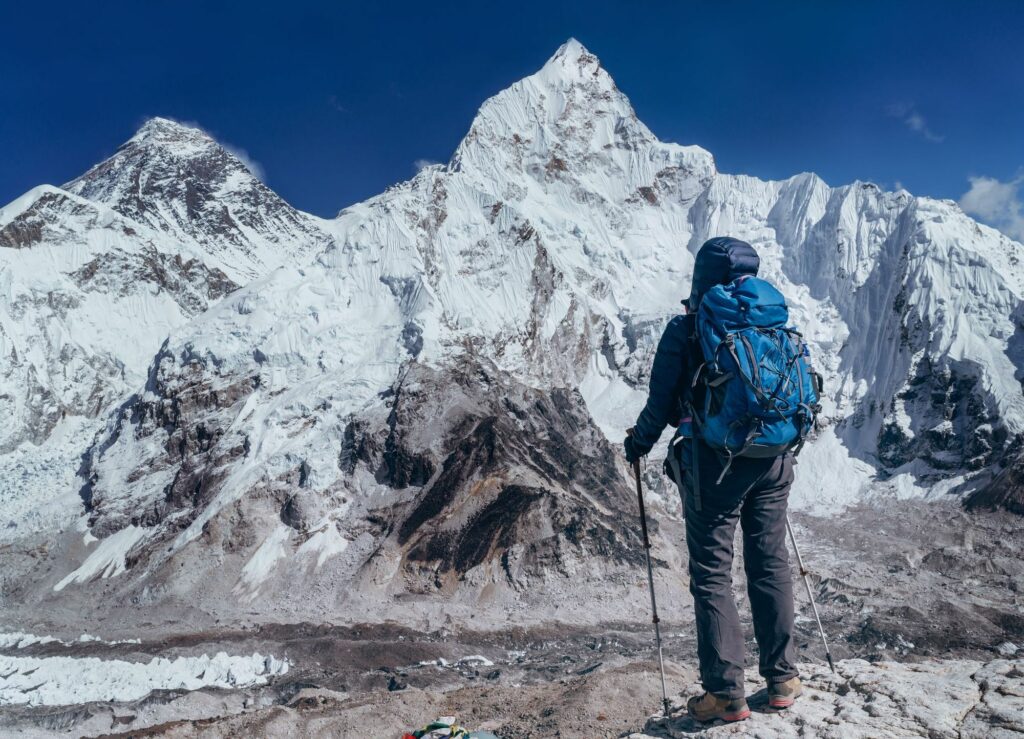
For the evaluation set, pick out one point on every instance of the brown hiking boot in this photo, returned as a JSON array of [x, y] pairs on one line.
[[709, 707], [782, 695]]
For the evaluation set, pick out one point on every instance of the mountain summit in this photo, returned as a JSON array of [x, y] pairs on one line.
[[568, 116], [178, 181]]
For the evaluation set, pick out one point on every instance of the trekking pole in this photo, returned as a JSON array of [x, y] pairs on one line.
[[650, 582], [807, 584]]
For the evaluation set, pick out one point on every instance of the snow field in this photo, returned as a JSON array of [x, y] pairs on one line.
[[59, 681]]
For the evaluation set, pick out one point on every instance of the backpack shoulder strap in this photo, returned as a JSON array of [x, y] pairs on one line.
[[694, 357]]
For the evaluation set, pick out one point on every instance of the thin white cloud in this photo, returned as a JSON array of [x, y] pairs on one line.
[[254, 167], [913, 120], [997, 203], [422, 164]]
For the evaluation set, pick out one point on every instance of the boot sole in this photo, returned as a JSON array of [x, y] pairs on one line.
[[727, 717], [781, 702], [744, 714]]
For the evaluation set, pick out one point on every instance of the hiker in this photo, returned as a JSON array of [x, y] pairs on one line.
[[729, 469]]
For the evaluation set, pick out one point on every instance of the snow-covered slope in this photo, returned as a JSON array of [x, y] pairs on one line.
[[93, 277], [552, 248]]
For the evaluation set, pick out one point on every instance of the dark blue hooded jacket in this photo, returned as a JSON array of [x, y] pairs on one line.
[[719, 261]]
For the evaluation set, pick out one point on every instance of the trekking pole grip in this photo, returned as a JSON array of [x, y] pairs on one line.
[[640, 497]]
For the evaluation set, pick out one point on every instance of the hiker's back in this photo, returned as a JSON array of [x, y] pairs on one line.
[[754, 394]]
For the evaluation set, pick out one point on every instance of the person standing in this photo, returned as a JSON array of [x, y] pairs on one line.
[[732, 465]]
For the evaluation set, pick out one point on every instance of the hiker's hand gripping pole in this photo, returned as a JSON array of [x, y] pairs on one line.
[[650, 581]]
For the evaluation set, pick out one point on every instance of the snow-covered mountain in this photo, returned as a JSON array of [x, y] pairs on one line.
[[93, 277], [181, 183], [417, 408]]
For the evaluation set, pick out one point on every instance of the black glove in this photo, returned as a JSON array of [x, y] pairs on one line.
[[635, 449]]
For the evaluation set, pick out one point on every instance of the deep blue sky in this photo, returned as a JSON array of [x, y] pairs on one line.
[[336, 101]]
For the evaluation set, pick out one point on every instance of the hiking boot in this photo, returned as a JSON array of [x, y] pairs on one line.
[[782, 695], [709, 707]]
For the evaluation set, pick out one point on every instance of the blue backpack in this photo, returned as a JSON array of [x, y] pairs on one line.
[[759, 395]]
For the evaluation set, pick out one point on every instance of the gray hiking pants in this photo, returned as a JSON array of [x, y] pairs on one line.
[[754, 493]]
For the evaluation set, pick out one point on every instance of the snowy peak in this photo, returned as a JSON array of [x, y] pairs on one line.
[[572, 61], [568, 117], [159, 130], [178, 181], [154, 164]]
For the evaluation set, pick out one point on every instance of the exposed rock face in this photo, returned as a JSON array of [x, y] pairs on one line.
[[520, 476], [53, 216], [1006, 490], [194, 285], [477, 478], [190, 448]]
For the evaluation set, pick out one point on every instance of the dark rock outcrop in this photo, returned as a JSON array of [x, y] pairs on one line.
[[499, 466], [1006, 490]]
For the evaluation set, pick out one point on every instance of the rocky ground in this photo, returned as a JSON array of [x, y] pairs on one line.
[[923, 604], [959, 698]]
